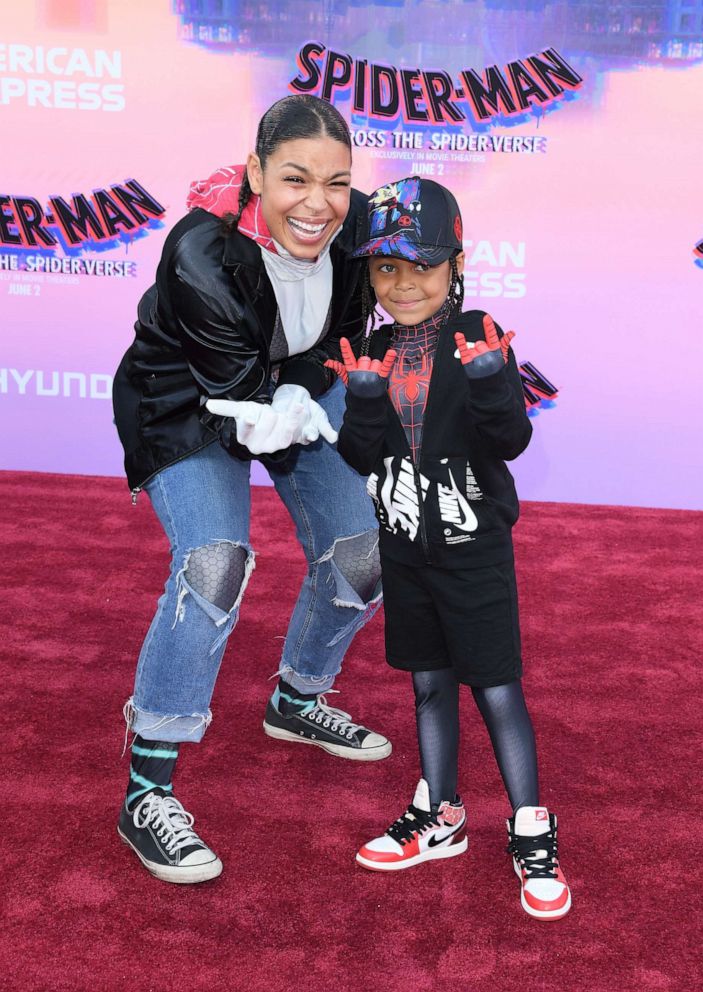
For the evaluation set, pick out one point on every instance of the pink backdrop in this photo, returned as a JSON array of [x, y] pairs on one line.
[[584, 248]]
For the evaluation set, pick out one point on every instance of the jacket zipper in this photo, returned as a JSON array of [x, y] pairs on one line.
[[134, 493], [418, 486], [416, 474], [416, 465]]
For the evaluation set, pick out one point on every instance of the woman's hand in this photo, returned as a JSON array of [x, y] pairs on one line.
[[260, 428], [487, 357], [314, 422], [366, 378]]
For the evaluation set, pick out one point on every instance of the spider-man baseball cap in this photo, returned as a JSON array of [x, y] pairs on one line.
[[414, 218]]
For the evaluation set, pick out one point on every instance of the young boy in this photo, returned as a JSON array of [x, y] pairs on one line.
[[431, 418]]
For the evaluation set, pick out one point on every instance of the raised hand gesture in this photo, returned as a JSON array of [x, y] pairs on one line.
[[484, 357], [365, 377]]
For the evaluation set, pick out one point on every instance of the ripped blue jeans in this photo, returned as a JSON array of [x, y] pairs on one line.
[[203, 503]]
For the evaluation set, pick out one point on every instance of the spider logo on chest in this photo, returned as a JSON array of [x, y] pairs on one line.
[[410, 381]]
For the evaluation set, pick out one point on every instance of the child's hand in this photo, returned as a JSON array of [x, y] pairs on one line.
[[366, 378], [484, 357]]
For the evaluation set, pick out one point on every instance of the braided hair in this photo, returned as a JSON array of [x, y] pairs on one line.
[[290, 119], [368, 308], [456, 286]]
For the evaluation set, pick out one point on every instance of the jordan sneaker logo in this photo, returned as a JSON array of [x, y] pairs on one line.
[[435, 841]]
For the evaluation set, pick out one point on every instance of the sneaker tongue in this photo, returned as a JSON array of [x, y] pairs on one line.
[[531, 821], [422, 796]]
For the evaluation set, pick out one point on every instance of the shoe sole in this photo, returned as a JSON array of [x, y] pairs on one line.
[[178, 876], [540, 914], [435, 854], [350, 753]]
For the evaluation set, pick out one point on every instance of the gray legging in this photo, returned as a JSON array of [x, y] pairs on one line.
[[505, 714]]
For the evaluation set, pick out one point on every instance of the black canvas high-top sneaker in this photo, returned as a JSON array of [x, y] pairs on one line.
[[314, 721], [160, 832]]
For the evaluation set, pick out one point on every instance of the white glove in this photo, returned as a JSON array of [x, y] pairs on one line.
[[260, 428], [315, 421]]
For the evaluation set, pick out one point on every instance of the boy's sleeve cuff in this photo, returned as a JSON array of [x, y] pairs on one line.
[[490, 387], [370, 410], [303, 372]]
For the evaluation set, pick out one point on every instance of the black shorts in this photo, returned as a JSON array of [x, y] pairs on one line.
[[465, 619]]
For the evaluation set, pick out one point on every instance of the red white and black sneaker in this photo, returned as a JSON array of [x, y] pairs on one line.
[[532, 833], [418, 835]]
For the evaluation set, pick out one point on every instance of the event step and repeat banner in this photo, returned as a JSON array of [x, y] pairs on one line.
[[571, 133]]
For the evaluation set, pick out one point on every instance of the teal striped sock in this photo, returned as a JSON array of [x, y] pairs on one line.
[[151, 768], [288, 700]]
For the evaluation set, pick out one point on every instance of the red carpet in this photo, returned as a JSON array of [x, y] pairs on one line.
[[612, 626]]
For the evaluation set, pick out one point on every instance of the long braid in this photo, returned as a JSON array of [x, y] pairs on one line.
[[230, 220], [368, 309], [244, 196], [456, 287]]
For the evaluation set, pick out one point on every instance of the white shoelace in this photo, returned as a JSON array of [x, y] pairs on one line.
[[330, 717], [173, 824]]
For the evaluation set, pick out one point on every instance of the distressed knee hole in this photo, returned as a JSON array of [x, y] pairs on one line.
[[217, 573], [214, 577], [358, 560]]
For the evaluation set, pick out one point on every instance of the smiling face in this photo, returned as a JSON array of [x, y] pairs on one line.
[[305, 187], [411, 291]]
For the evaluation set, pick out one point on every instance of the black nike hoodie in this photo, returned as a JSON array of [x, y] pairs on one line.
[[454, 507]]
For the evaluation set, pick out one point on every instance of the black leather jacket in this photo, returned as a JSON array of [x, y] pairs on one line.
[[204, 330]]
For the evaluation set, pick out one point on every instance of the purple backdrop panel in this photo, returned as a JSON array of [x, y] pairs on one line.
[[570, 135]]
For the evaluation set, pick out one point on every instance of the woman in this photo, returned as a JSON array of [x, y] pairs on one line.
[[252, 294]]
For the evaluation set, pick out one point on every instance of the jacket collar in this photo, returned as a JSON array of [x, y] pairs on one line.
[[240, 250]]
